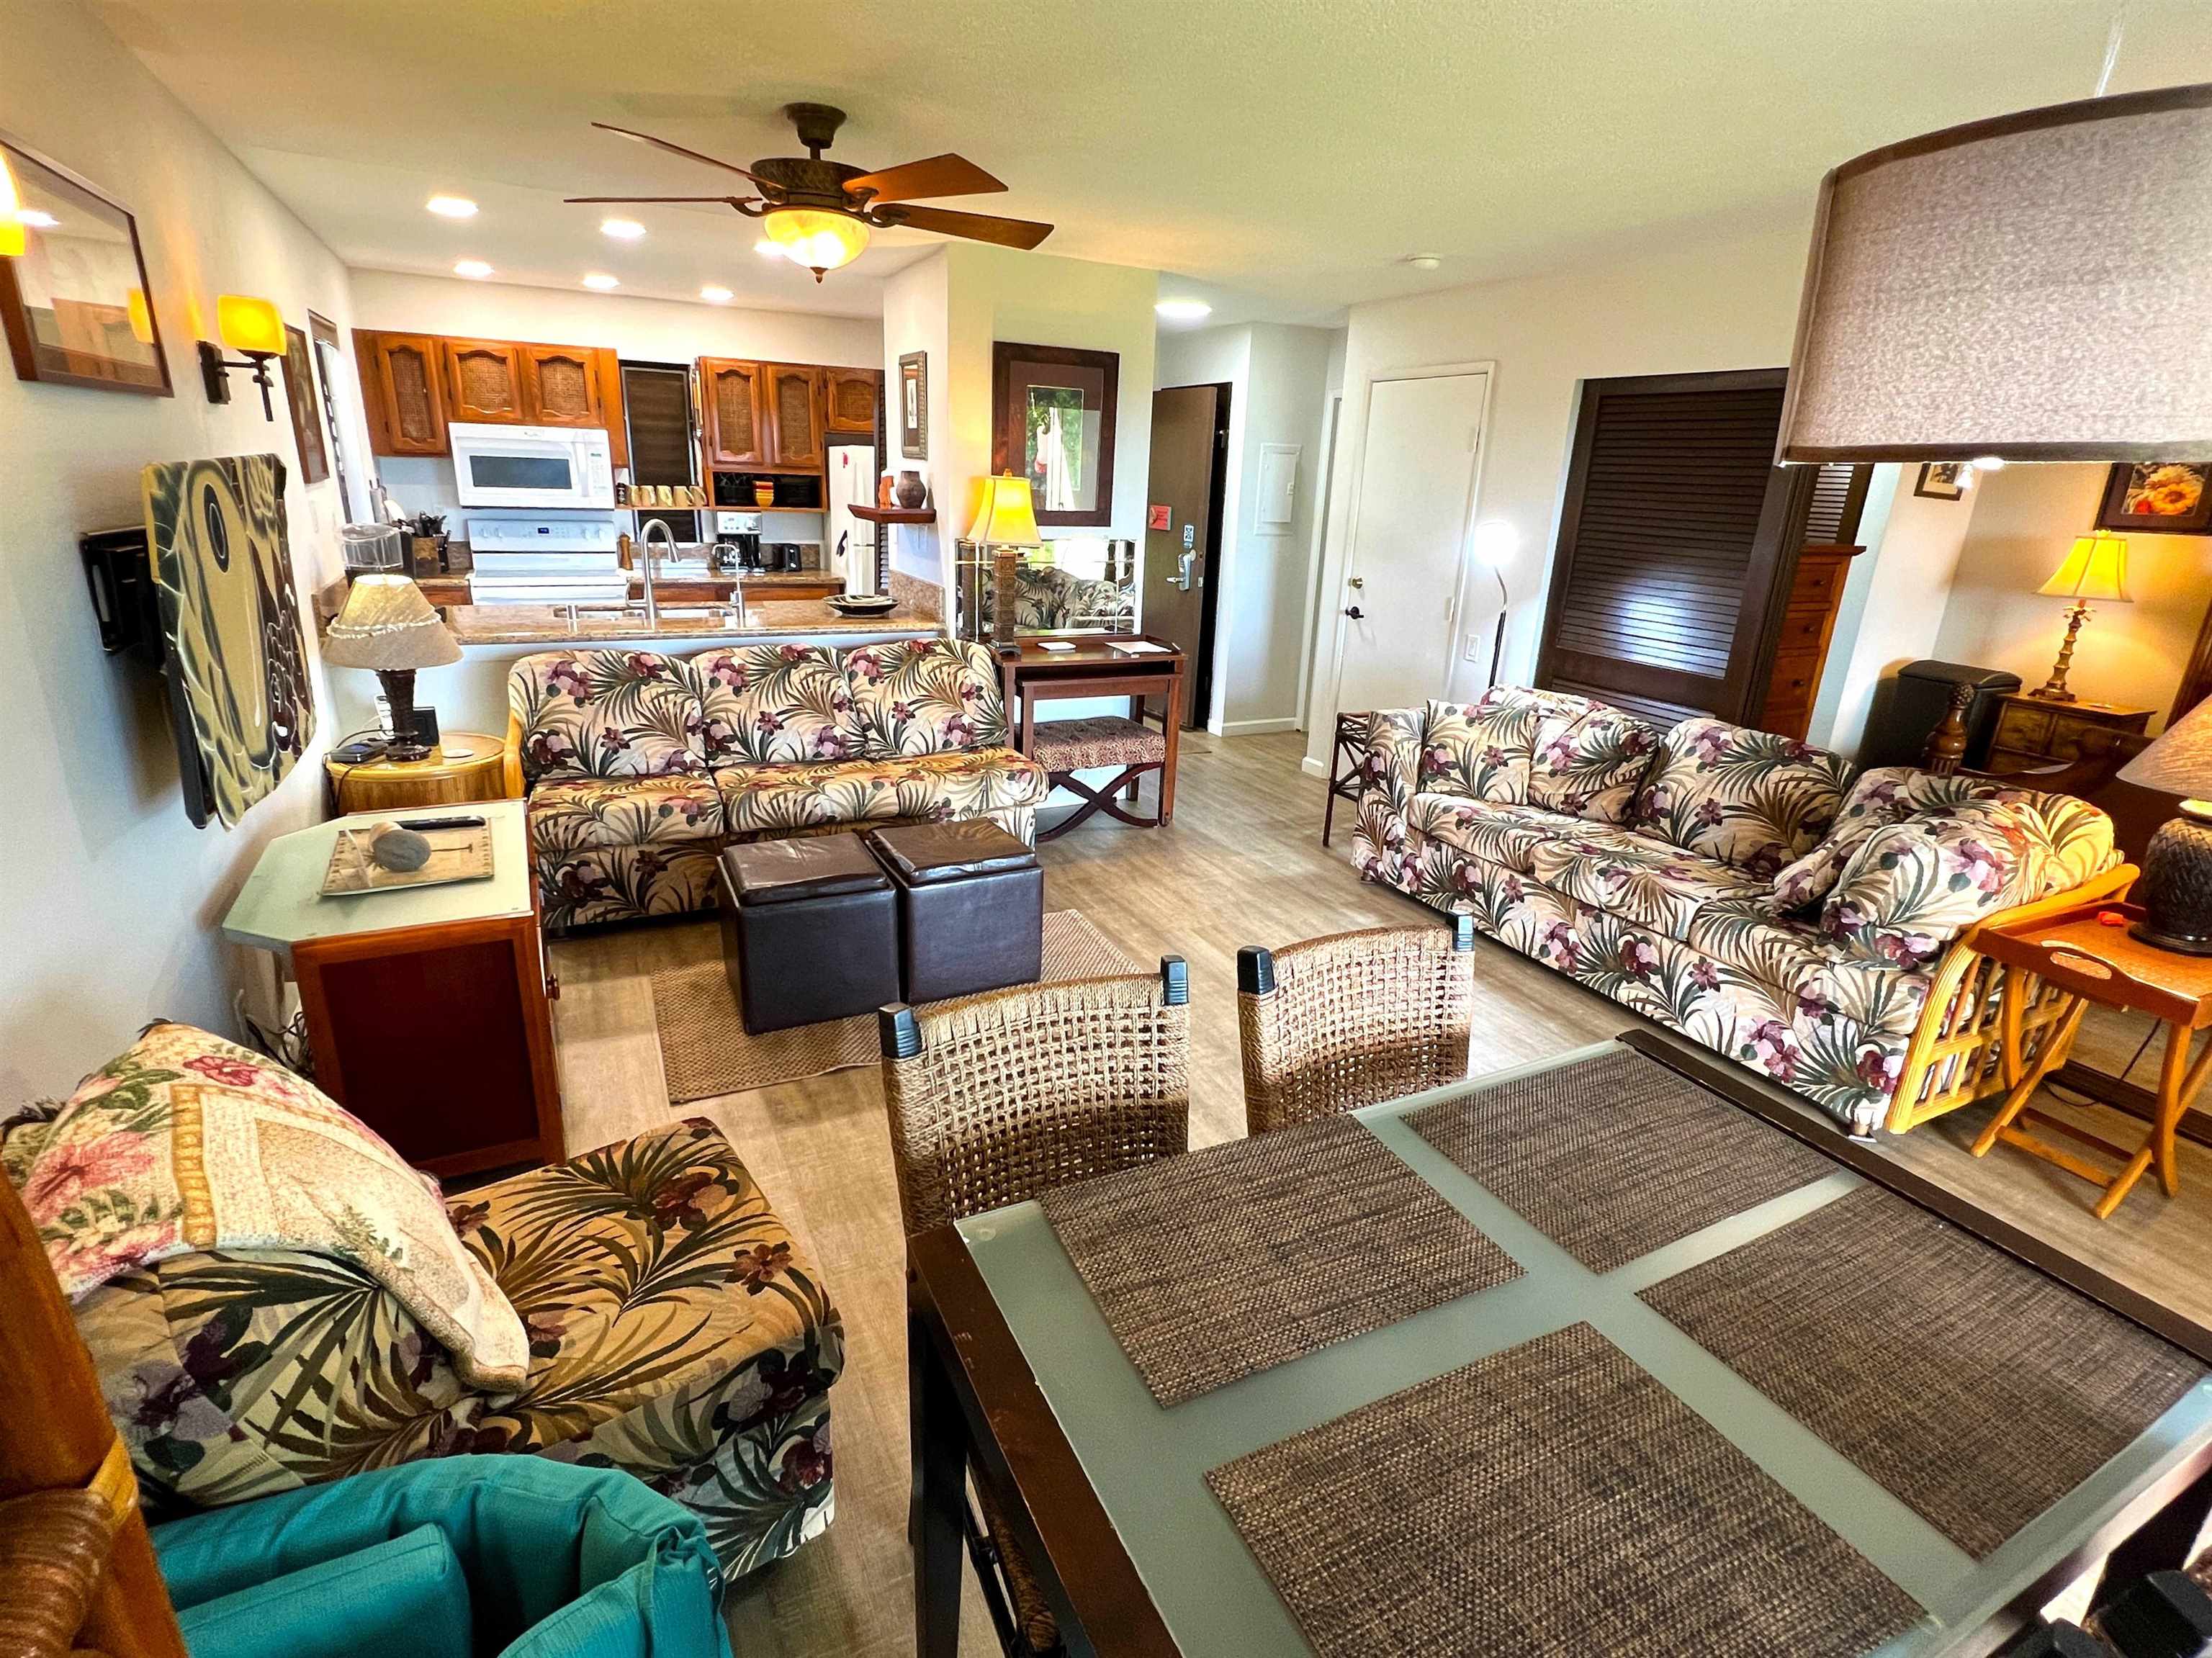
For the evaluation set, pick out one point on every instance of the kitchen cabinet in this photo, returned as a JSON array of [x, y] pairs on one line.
[[402, 390], [412, 384], [795, 415], [485, 377], [731, 415], [561, 385], [850, 398]]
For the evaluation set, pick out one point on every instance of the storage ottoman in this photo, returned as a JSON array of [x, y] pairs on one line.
[[810, 931], [971, 907]]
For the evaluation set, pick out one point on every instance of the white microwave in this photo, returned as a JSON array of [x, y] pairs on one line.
[[532, 465]]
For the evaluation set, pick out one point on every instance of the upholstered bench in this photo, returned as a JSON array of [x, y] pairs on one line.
[[1065, 747], [810, 931]]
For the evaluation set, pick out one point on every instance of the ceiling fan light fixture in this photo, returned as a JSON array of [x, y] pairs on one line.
[[821, 241]]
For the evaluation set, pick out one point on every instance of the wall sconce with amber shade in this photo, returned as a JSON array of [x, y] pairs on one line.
[[255, 329], [2095, 566]]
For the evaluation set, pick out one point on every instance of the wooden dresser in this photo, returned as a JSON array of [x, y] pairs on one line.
[[1801, 643], [2033, 733]]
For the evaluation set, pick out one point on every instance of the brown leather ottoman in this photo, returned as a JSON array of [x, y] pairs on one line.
[[971, 907], [810, 931]]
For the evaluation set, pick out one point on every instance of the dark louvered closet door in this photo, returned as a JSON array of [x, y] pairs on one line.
[[1671, 543]]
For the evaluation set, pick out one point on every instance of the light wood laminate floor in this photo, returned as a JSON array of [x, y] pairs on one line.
[[1242, 864]]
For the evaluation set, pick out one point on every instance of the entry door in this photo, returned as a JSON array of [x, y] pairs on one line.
[[1189, 422], [1409, 534]]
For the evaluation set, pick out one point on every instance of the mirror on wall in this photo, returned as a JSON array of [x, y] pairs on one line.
[[74, 300], [1073, 585]]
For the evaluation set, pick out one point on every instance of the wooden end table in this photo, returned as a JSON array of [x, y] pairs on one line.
[[426, 1007], [1092, 667], [466, 766], [2086, 954]]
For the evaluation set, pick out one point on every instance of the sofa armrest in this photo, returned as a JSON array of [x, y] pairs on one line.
[[512, 776]]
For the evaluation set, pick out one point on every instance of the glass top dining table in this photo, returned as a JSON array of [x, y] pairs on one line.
[[1145, 1465]]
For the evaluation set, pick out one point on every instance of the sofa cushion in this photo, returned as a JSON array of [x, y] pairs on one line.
[[1482, 748], [776, 705], [1750, 798], [1496, 831], [677, 1331], [923, 696], [1913, 886], [566, 813], [1642, 880], [607, 713], [1590, 764], [925, 787]]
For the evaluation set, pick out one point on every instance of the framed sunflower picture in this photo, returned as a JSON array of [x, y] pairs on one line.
[[2162, 497]]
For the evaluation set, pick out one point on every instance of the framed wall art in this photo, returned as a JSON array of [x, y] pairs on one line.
[[1941, 480], [2158, 497], [913, 405], [1052, 421], [306, 406], [74, 300]]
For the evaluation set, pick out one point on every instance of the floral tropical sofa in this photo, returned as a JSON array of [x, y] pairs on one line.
[[1741, 887], [676, 1330], [641, 767]]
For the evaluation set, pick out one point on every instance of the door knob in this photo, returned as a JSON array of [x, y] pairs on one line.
[[1356, 613]]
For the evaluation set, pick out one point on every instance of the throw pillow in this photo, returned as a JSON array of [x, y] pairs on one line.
[[1752, 799], [1591, 765], [1911, 887], [1481, 750], [188, 1142]]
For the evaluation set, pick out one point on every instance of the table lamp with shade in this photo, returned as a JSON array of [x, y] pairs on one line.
[[1004, 521], [2175, 888], [389, 627], [2094, 568]]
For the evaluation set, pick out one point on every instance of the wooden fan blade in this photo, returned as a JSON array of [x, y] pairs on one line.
[[975, 227], [940, 175], [732, 200], [679, 149]]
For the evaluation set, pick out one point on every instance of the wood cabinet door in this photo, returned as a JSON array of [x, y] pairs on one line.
[[486, 379], [795, 415], [730, 413], [403, 388], [561, 386], [849, 399]]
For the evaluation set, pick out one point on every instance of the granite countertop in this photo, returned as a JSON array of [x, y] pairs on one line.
[[547, 624]]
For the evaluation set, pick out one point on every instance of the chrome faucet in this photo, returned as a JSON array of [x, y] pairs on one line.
[[645, 546]]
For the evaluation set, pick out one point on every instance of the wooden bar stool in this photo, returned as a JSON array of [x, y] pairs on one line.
[[1064, 747]]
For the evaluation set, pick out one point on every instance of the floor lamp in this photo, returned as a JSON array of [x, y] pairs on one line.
[[1495, 544]]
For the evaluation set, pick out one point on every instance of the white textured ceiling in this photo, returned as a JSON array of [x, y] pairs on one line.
[[1283, 156]]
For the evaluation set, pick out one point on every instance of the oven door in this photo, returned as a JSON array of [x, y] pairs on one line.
[[510, 469]]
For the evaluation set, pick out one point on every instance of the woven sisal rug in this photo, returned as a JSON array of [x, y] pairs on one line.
[[1966, 1382], [1552, 1499], [706, 1051]]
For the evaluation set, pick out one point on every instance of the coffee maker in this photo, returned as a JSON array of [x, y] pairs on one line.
[[741, 532]]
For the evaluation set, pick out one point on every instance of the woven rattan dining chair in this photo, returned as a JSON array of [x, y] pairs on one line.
[[995, 1099], [1353, 1018]]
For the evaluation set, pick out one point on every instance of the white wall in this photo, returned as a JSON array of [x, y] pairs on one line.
[[114, 898], [1278, 378], [918, 317], [2025, 519], [1716, 305]]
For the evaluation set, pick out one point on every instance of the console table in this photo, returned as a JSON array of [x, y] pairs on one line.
[[1091, 666], [426, 1007]]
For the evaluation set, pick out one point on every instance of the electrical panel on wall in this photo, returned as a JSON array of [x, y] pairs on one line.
[[1279, 490]]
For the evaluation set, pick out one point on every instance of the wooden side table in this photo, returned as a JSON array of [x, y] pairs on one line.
[[1091, 657], [426, 1007], [2084, 957], [466, 766], [2033, 731]]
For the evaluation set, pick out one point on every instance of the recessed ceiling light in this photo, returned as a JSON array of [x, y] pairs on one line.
[[1183, 310], [1421, 261], [452, 207], [600, 280], [625, 230], [714, 294], [471, 267], [1987, 463], [37, 219]]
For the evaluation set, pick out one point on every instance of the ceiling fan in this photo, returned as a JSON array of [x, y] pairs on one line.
[[819, 212]]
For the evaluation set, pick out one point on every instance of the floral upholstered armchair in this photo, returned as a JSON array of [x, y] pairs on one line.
[[675, 1329], [641, 767]]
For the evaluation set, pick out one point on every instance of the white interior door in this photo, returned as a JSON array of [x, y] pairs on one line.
[[1409, 536]]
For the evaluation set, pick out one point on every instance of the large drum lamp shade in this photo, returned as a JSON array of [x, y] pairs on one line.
[[2038, 287]]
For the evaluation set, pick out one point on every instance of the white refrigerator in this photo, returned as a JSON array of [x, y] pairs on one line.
[[850, 554]]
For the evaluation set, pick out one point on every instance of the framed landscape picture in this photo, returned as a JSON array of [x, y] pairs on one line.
[[1052, 421], [2158, 497]]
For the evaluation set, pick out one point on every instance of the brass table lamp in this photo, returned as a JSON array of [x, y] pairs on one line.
[[2094, 568]]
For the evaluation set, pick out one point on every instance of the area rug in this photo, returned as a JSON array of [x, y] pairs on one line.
[[705, 1049]]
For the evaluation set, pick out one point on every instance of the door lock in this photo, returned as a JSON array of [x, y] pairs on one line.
[[1356, 613], [1183, 570]]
